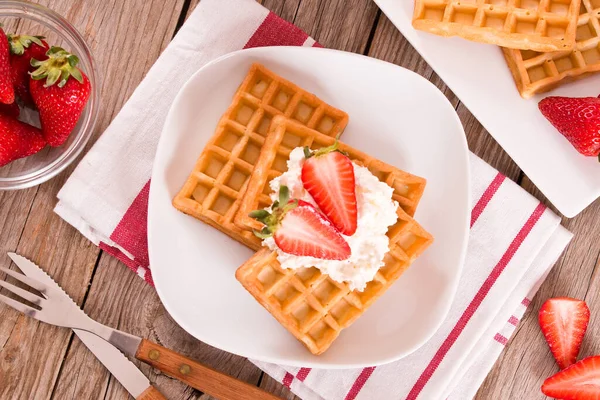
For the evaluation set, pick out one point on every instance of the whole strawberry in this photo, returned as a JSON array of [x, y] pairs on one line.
[[23, 48], [7, 92], [18, 139], [578, 119], [60, 91]]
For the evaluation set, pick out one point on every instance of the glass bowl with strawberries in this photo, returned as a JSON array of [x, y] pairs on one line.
[[49, 94]]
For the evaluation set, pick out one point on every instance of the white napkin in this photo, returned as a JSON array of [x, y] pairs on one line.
[[514, 240]]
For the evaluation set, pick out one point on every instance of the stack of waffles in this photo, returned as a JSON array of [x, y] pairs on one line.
[[546, 43], [268, 118]]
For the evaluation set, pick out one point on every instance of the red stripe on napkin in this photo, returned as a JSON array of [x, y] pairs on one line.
[[526, 302], [275, 31], [486, 197], [359, 383], [476, 302], [302, 374], [513, 320], [132, 231], [287, 380], [501, 339]]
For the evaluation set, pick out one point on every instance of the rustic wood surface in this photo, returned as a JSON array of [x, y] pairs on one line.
[[38, 361]]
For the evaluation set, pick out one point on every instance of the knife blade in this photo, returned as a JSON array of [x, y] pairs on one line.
[[132, 379]]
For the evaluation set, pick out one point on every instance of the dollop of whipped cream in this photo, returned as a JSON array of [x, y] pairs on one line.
[[369, 244]]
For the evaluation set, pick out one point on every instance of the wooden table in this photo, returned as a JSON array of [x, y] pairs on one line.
[[38, 361]]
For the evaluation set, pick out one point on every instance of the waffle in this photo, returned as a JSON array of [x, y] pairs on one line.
[[539, 72], [285, 135], [541, 25], [314, 307], [214, 188]]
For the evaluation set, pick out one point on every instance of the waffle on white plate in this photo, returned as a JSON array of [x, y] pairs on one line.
[[309, 304], [541, 25], [217, 183], [536, 72]]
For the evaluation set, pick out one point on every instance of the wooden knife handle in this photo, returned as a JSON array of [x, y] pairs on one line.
[[198, 376], [151, 394]]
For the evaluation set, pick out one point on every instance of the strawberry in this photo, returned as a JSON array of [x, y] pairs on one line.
[[580, 381], [18, 139], [298, 228], [22, 49], [7, 92], [578, 119], [564, 322], [62, 96], [12, 109], [328, 175]]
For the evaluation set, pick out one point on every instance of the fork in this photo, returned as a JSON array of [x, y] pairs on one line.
[[57, 309]]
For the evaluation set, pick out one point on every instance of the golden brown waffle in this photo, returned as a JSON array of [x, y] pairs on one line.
[[213, 191], [286, 135], [539, 72], [541, 25], [314, 307]]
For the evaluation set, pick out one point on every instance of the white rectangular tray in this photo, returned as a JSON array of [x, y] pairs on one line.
[[478, 75]]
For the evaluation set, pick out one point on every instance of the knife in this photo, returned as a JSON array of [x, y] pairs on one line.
[[132, 379]]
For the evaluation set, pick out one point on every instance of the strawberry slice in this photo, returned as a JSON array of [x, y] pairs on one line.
[[580, 381], [328, 175], [564, 322], [577, 119], [298, 228]]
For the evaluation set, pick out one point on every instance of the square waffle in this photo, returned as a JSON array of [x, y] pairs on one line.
[[314, 307], [541, 25], [216, 185], [539, 72], [285, 135]]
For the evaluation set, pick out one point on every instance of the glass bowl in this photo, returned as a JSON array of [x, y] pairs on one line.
[[27, 18]]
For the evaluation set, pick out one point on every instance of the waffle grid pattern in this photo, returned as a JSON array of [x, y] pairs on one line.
[[215, 187], [314, 307], [286, 135], [541, 25], [536, 72]]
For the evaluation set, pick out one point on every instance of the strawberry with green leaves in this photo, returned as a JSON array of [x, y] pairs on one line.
[[23, 48], [7, 92], [298, 228], [18, 139], [60, 91]]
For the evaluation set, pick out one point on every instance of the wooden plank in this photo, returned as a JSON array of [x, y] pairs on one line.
[[25, 344]]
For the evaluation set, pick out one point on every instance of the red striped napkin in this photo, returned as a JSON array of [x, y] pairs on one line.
[[514, 240]]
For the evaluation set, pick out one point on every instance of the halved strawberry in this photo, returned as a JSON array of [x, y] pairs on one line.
[[580, 381], [328, 175], [564, 322], [298, 228]]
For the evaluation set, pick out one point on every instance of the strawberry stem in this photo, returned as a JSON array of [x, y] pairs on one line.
[[18, 43], [324, 150], [60, 65], [272, 219]]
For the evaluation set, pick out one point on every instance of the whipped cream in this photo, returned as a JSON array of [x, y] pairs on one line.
[[369, 244]]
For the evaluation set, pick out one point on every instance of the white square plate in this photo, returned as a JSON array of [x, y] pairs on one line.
[[396, 116], [479, 76]]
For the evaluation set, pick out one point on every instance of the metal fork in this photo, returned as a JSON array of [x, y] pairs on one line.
[[57, 308]]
